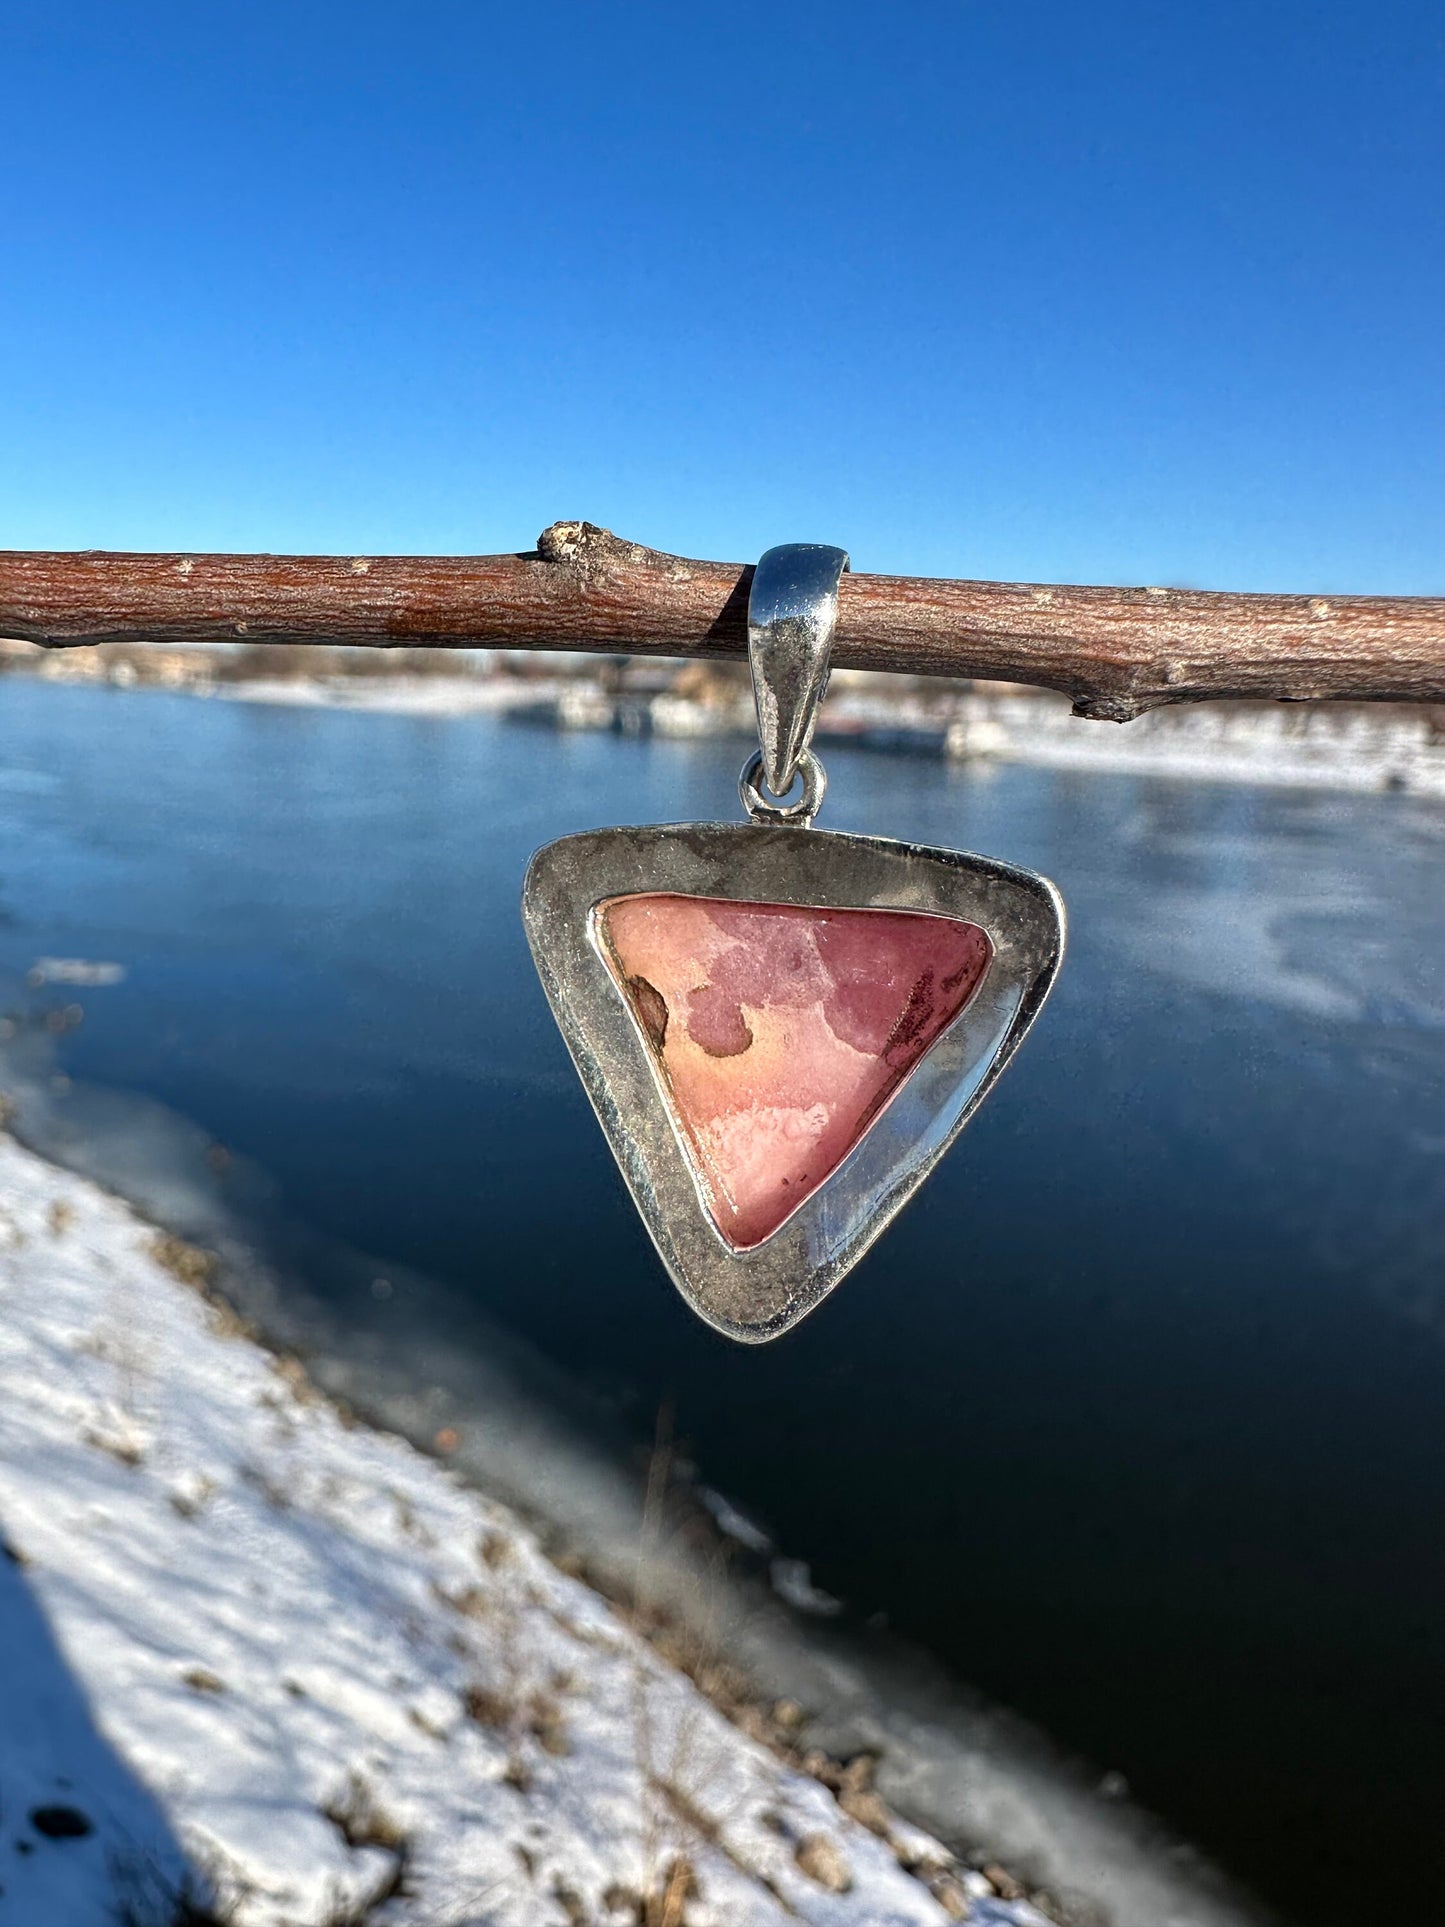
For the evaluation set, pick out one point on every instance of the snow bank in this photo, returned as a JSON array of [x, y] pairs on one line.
[[254, 1651]]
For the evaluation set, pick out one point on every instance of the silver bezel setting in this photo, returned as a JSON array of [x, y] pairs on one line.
[[757, 1293]]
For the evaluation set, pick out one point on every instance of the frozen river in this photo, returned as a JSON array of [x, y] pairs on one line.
[[1135, 1418]]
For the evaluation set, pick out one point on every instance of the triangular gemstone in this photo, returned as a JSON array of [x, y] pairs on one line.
[[780, 1032]]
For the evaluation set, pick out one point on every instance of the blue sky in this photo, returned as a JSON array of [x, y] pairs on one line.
[[1115, 292]]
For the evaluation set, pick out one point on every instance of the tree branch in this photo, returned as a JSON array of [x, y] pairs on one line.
[[1115, 652]]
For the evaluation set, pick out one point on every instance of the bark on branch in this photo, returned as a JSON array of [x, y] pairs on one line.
[[1115, 652]]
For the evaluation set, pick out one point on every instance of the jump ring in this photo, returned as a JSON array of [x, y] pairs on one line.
[[763, 807]]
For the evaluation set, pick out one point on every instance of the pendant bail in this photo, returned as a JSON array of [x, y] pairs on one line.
[[792, 613]]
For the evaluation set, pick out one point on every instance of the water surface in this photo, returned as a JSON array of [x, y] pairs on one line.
[[1135, 1418]]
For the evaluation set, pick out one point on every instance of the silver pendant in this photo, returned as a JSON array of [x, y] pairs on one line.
[[783, 1029]]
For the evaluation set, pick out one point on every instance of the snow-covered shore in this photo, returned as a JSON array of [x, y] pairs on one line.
[[259, 1655]]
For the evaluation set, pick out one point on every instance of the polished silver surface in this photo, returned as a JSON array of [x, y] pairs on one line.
[[763, 809], [792, 613], [757, 1293]]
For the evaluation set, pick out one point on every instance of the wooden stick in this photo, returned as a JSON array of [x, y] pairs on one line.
[[1116, 652]]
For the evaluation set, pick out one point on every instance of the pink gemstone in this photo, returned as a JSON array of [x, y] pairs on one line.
[[781, 1032]]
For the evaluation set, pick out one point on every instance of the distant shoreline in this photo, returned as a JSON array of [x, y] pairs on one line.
[[1355, 747]]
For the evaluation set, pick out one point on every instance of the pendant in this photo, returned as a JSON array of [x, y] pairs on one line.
[[783, 1029]]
